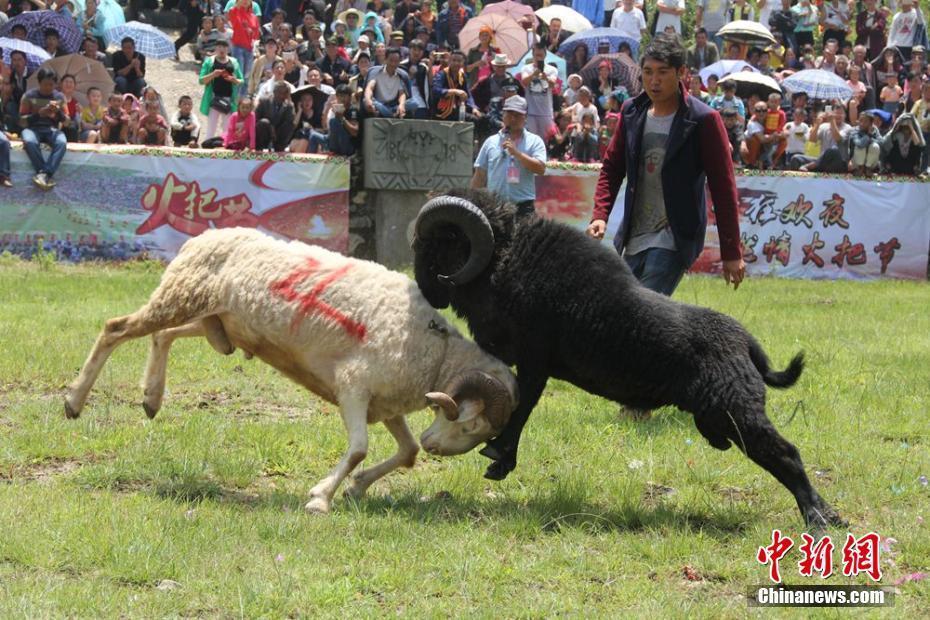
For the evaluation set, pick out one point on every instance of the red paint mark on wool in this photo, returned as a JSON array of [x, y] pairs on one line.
[[310, 301]]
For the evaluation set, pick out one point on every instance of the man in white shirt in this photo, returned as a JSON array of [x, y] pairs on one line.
[[629, 20]]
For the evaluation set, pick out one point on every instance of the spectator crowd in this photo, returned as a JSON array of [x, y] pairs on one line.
[[300, 76]]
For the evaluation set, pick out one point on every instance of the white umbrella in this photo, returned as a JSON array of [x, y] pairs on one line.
[[745, 31], [572, 20], [749, 82]]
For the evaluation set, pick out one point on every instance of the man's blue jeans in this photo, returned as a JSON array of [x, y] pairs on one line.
[[52, 137], [384, 110], [657, 269], [337, 141]]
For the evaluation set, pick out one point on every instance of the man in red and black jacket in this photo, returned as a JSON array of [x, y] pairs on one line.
[[667, 145]]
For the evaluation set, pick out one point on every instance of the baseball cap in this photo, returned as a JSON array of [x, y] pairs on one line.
[[515, 104]]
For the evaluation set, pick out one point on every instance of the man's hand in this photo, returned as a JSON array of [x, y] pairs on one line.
[[509, 146], [734, 271], [597, 228], [400, 111], [370, 106]]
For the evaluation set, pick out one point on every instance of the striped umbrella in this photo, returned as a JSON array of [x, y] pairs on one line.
[[37, 22], [592, 38], [35, 56], [150, 41], [818, 84]]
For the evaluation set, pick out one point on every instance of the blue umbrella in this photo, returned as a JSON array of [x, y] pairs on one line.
[[35, 55], [551, 59], [150, 41], [591, 39], [818, 84], [37, 22], [723, 68]]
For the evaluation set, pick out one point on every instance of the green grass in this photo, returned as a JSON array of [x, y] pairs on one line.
[[96, 513]]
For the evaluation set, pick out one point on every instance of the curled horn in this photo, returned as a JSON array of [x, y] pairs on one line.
[[477, 385], [466, 216], [444, 402]]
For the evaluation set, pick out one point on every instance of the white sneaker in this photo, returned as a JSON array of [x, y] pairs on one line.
[[40, 180]]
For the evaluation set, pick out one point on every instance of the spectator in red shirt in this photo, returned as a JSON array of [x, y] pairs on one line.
[[246, 30]]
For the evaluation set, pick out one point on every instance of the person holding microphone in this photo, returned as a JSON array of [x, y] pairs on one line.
[[510, 159]]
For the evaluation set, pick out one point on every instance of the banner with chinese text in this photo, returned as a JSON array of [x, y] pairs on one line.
[[119, 202], [829, 227]]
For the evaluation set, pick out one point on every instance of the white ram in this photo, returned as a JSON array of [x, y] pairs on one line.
[[350, 331]]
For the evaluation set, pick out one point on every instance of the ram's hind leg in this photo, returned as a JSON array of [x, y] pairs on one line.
[[405, 456], [752, 432], [153, 382], [163, 311]]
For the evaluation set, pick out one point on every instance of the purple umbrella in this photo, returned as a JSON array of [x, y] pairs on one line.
[[37, 22], [35, 56]]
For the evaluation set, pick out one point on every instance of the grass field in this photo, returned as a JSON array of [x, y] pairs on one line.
[[199, 512]]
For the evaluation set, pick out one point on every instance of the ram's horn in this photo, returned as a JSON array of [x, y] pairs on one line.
[[480, 386], [444, 402], [466, 216]]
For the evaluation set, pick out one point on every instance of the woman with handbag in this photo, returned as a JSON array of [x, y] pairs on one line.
[[221, 76]]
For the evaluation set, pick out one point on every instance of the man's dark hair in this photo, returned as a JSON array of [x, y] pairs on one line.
[[343, 89], [127, 40], [46, 73], [416, 44], [17, 53], [665, 48], [391, 50], [540, 45], [457, 52], [51, 32], [277, 12], [184, 98], [276, 63], [700, 30], [222, 43], [18, 27]]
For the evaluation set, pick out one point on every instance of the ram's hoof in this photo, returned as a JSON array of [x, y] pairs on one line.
[[70, 413]]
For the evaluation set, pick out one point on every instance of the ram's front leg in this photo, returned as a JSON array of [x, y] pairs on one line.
[[406, 456], [354, 410], [531, 380]]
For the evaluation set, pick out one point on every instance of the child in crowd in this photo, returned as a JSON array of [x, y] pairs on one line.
[[115, 126], [185, 128], [153, 128], [734, 133], [92, 116], [585, 139], [569, 97], [611, 120], [240, 130], [131, 108], [796, 132], [891, 94], [583, 106]]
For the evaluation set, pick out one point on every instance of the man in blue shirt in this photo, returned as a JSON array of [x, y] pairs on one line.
[[510, 159]]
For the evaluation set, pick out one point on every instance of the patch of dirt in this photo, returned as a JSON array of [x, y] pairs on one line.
[[655, 493], [42, 471], [736, 494]]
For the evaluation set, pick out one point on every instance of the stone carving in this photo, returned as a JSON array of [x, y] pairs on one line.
[[417, 155]]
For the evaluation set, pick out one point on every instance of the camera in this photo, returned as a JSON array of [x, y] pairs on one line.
[[828, 109]]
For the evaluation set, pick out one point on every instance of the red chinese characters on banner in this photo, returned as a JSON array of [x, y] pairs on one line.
[[861, 556], [778, 248], [886, 250], [310, 301], [832, 214], [191, 210], [810, 251], [852, 253], [817, 557], [773, 553], [796, 212], [748, 247]]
